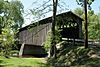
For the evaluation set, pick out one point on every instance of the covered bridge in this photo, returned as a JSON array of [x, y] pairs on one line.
[[32, 37]]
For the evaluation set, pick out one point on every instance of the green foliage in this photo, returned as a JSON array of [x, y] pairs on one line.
[[47, 43], [93, 23], [14, 53], [49, 38], [12, 11], [7, 40], [81, 2], [94, 26], [11, 20], [79, 11]]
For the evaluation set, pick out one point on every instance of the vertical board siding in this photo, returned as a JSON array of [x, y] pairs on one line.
[[35, 35]]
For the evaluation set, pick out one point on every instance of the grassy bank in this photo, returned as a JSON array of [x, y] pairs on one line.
[[23, 62], [69, 55]]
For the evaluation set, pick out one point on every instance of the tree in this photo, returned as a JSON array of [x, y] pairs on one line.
[[84, 3], [93, 25], [41, 11], [79, 12], [12, 11], [53, 44], [86, 28], [11, 20]]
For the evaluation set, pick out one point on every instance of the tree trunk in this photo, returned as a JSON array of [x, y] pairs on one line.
[[86, 26], [53, 43]]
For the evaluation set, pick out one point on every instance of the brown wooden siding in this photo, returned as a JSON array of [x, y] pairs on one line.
[[35, 35]]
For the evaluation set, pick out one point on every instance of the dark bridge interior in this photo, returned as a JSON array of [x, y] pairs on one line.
[[70, 29]]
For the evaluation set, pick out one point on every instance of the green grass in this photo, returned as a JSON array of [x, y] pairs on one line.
[[23, 62]]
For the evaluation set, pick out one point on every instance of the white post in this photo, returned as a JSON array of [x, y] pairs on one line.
[[21, 50]]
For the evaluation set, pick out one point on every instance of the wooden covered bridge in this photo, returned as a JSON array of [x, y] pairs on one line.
[[32, 37]]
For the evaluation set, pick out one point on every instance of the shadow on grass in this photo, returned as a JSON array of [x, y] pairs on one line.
[[1, 61], [25, 66], [1, 65], [44, 64]]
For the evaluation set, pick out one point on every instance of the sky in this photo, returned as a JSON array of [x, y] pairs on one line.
[[70, 4]]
